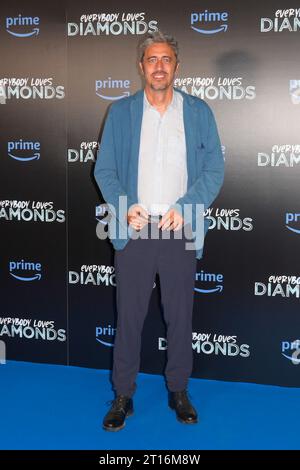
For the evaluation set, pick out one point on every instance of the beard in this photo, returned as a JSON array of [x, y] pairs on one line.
[[159, 86]]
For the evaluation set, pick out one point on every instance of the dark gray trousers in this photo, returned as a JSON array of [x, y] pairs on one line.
[[136, 266]]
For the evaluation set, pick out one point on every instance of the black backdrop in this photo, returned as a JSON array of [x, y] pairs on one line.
[[58, 76]]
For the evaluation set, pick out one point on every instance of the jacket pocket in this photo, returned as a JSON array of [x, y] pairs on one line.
[[200, 156]]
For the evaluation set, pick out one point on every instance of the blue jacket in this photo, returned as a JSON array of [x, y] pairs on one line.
[[116, 169]]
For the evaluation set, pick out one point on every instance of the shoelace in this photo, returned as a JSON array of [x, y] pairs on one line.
[[118, 404]]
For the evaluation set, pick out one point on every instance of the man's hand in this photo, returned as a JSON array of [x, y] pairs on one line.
[[137, 217], [171, 220]]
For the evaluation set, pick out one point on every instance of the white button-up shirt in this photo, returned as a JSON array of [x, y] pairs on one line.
[[162, 170]]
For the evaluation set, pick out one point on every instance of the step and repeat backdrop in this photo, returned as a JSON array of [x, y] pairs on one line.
[[62, 65]]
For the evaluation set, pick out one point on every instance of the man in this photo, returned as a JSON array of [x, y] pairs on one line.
[[160, 148]]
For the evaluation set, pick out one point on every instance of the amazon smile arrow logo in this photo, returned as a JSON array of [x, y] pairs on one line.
[[209, 291], [124, 94], [295, 360], [36, 156], [104, 343], [293, 229], [35, 32], [223, 27], [36, 277]]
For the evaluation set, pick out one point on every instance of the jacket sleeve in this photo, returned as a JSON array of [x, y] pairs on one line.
[[105, 171], [207, 186]]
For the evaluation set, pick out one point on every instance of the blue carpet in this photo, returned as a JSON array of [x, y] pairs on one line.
[[56, 407]]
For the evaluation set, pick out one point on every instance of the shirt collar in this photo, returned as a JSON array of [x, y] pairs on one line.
[[173, 105]]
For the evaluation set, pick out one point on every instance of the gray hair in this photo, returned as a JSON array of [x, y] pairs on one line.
[[156, 37]]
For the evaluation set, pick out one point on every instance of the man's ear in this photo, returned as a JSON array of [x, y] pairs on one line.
[[141, 68], [176, 68]]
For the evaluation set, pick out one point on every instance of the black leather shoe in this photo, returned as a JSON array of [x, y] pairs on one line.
[[185, 412], [121, 407]]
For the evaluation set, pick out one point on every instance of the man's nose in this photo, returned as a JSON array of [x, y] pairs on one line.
[[159, 63]]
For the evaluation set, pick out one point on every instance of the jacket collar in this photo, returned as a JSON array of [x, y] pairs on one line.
[[138, 96]]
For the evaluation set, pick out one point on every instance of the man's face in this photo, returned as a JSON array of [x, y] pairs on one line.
[[159, 66]]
